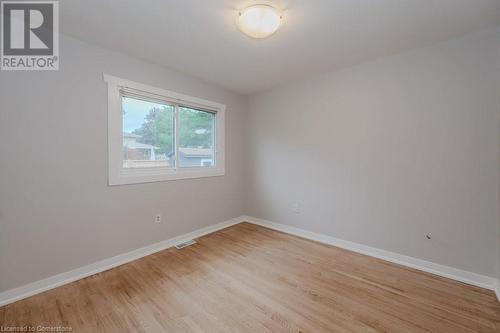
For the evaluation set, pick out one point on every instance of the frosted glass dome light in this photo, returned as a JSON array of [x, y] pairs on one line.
[[259, 21]]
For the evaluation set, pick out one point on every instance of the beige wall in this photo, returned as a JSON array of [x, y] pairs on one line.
[[56, 211], [387, 152]]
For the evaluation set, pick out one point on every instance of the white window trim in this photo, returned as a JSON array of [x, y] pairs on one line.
[[117, 175]]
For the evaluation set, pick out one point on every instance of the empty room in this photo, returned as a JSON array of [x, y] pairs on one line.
[[250, 166]]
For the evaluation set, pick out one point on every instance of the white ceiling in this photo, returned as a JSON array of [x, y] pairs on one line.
[[199, 37]]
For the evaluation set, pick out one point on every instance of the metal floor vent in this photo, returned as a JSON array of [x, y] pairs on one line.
[[185, 244]]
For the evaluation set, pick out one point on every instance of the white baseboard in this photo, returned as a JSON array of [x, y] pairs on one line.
[[423, 265], [55, 281], [497, 290]]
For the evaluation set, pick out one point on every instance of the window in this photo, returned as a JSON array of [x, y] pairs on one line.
[[196, 137], [148, 133], [158, 135]]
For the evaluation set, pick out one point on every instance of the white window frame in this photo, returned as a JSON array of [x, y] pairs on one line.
[[118, 175]]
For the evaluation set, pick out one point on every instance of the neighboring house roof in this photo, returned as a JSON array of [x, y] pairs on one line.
[[131, 135], [196, 152], [138, 145], [133, 144]]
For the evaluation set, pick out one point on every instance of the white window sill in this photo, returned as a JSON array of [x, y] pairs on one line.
[[137, 176]]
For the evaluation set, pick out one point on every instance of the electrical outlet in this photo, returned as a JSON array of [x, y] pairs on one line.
[[296, 208], [158, 218]]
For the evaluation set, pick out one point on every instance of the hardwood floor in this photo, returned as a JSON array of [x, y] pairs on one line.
[[250, 279]]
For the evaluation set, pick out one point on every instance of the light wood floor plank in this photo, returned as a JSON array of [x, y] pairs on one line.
[[248, 278]]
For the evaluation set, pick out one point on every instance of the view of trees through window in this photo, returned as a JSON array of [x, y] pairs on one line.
[[196, 137], [149, 135]]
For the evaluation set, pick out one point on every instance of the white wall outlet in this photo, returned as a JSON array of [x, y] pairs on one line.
[[296, 208], [158, 218]]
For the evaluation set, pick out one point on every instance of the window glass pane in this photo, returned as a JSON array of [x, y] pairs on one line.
[[196, 138], [148, 134]]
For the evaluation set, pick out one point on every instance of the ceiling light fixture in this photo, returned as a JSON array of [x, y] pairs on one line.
[[259, 21]]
